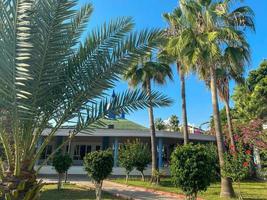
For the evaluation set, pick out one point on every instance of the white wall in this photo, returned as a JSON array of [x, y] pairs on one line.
[[79, 170]]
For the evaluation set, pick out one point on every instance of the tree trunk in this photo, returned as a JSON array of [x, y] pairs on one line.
[[143, 176], [229, 122], [69, 145], [98, 190], [59, 183], [227, 190], [127, 177], [18, 187], [184, 112], [153, 134]]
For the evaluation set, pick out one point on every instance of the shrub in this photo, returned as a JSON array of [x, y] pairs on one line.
[[61, 163], [141, 155], [237, 163], [191, 166], [126, 158], [134, 155], [98, 165]]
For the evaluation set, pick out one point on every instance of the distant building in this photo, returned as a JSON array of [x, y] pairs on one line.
[[116, 132]]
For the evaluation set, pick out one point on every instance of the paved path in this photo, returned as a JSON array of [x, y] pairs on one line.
[[127, 192]]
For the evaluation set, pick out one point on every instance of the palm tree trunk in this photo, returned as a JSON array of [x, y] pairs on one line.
[[153, 133], [229, 122], [184, 112], [227, 190]]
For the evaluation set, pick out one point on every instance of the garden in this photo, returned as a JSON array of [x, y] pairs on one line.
[[56, 71]]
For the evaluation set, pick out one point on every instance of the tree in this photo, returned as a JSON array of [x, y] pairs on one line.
[[174, 123], [237, 164], [159, 124], [177, 23], [142, 157], [127, 158], [49, 74], [191, 167], [216, 30], [250, 99], [235, 72], [61, 163], [98, 165], [143, 72]]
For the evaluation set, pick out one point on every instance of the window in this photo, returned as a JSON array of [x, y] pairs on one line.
[[97, 148], [80, 151], [47, 152]]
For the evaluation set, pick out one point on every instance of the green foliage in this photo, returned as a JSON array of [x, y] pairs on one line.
[[250, 99], [174, 123], [126, 157], [61, 162], [52, 71], [142, 155], [98, 165], [159, 124], [236, 164], [191, 167], [134, 155]]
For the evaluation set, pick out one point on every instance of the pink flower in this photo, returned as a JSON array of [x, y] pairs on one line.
[[245, 164], [248, 152], [236, 137]]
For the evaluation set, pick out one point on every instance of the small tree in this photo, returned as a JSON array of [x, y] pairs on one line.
[[174, 123], [61, 163], [159, 124], [126, 158], [142, 156], [98, 165], [237, 164], [190, 169]]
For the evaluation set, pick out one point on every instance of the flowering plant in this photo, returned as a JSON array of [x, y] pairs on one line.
[[237, 163]]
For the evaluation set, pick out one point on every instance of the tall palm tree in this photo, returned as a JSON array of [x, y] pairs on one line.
[[216, 30], [143, 73], [223, 91], [50, 75], [177, 23]]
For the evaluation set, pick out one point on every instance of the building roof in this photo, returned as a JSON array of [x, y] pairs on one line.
[[123, 124], [131, 133]]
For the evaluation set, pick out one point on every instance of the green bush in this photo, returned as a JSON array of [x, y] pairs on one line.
[[98, 165], [134, 155], [61, 163], [126, 158], [142, 156], [237, 163], [191, 166]]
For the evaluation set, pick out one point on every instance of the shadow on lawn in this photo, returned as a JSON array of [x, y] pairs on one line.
[[67, 194]]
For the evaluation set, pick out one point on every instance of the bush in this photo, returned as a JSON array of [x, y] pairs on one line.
[[126, 158], [98, 165], [134, 155], [61, 163], [191, 166], [142, 156], [237, 163]]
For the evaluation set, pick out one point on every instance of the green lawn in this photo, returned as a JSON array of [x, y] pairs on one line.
[[250, 190], [70, 192]]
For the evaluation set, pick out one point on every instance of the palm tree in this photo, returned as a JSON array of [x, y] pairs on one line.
[[49, 75], [223, 91], [143, 73], [216, 30], [177, 23]]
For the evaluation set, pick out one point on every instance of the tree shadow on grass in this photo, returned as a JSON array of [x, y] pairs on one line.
[[71, 192]]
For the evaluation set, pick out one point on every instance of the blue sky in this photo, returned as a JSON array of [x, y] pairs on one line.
[[148, 14]]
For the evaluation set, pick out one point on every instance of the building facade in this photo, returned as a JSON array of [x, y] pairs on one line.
[[117, 132]]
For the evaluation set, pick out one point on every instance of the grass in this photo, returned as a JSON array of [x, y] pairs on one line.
[[71, 192], [250, 190]]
